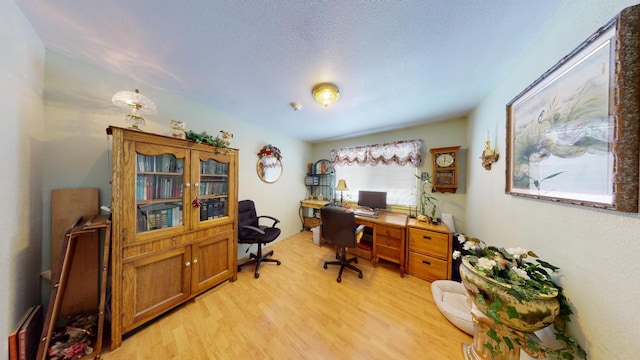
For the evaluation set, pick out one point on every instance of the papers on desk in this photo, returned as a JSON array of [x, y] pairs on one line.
[[365, 212]]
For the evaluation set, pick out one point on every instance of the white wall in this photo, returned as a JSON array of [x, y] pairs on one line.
[[439, 134], [79, 109], [595, 249], [21, 84]]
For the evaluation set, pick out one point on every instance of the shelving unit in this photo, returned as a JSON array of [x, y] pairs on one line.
[[321, 183]]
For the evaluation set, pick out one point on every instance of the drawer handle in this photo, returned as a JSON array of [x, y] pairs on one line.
[[426, 237], [426, 262]]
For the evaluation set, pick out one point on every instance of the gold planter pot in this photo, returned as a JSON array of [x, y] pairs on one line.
[[534, 314]]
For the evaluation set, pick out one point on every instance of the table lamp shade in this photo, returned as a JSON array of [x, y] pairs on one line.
[[342, 185]]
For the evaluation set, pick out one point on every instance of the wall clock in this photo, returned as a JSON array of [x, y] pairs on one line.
[[445, 168]]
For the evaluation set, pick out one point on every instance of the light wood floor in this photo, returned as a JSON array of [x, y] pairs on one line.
[[298, 311]]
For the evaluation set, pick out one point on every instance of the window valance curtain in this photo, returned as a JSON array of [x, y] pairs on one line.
[[400, 152]]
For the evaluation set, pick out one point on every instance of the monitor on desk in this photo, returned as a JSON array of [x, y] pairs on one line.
[[375, 200]]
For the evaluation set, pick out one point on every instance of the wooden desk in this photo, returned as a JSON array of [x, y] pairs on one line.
[[388, 237]]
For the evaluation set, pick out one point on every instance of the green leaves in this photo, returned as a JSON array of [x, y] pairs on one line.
[[204, 138], [547, 265], [512, 312], [493, 311]]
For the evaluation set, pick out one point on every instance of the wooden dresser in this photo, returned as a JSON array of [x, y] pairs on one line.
[[429, 250]]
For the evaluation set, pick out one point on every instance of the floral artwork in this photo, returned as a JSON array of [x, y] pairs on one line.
[[564, 130], [270, 150], [562, 134], [269, 165]]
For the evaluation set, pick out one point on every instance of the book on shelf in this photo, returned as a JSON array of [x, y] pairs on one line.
[[13, 335], [166, 163], [158, 216], [29, 334]]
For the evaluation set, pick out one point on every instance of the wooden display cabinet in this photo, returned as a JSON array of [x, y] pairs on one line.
[[174, 205]]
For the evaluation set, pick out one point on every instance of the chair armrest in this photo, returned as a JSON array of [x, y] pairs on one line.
[[358, 233], [275, 221], [252, 228]]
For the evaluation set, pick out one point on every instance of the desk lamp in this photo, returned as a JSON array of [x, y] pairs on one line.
[[342, 186]]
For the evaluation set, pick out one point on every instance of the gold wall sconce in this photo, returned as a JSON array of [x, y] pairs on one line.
[[325, 94], [489, 156]]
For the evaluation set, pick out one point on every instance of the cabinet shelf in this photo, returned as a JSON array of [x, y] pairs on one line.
[[158, 201], [215, 196], [160, 173]]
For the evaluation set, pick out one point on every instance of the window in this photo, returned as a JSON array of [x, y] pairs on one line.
[[398, 181], [387, 167]]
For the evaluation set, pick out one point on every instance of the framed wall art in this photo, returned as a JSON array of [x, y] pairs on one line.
[[573, 134]]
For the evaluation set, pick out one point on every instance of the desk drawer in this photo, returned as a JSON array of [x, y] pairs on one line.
[[429, 242], [363, 221], [389, 232], [386, 241], [388, 253], [427, 267]]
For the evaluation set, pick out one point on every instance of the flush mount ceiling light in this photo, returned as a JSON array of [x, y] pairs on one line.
[[325, 93], [137, 103]]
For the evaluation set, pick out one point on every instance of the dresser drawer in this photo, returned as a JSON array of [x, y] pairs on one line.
[[427, 267], [429, 242]]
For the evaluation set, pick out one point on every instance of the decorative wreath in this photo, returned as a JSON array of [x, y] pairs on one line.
[[270, 150]]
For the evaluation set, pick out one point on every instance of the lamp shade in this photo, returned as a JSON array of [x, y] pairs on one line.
[[342, 185], [137, 103], [325, 94]]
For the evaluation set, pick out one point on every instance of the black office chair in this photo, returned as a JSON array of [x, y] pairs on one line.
[[251, 232], [339, 227]]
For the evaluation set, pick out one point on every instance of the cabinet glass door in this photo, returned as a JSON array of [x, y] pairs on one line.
[[213, 189], [159, 192]]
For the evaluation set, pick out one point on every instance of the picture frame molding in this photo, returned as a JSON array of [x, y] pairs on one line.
[[624, 110]]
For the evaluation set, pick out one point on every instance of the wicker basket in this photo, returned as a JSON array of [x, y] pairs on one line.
[[365, 254], [310, 222]]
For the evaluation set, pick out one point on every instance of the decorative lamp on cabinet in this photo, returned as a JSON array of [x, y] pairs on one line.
[[137, 103]]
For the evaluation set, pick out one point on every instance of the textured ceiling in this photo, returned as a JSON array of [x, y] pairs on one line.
[[397, 63]]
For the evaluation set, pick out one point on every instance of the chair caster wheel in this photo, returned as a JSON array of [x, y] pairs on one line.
[[356, 260], [278, 262], [257, 275], [339, 279], [325, 266], [360, 276], [239, 268]]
